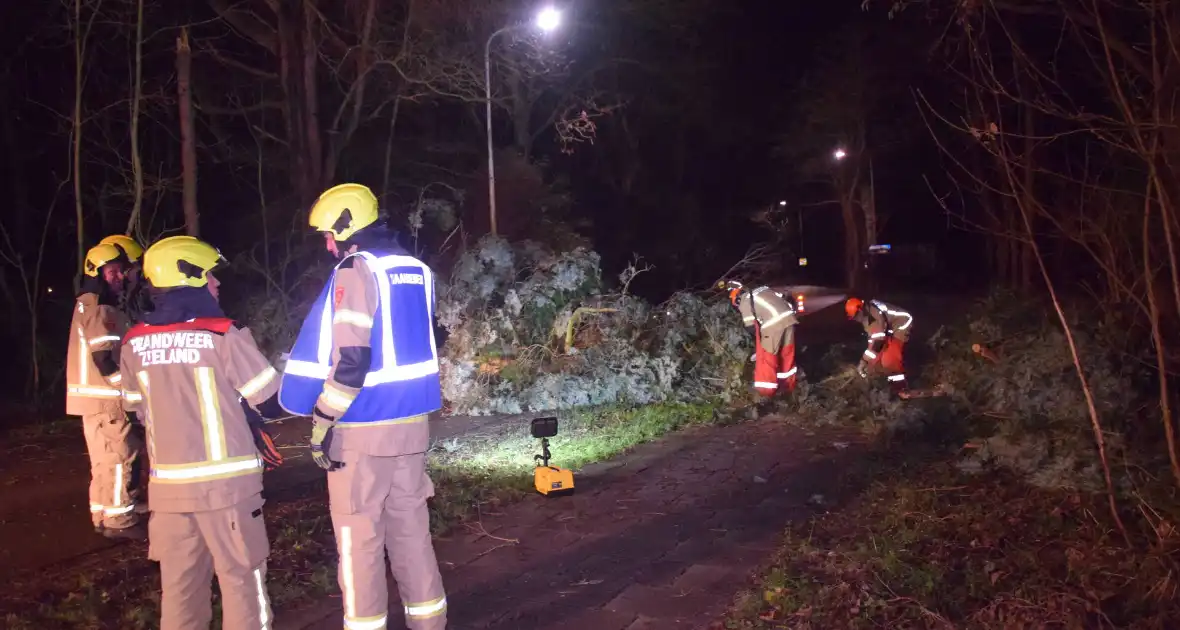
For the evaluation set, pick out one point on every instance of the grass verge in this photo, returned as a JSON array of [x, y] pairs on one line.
[[472, 473], [489, 468], [939, 549]]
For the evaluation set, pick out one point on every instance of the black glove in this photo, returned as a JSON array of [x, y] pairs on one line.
[[271, 457]]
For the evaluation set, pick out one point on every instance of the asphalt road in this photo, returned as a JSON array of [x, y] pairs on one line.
[[44, 515], [44, 503]]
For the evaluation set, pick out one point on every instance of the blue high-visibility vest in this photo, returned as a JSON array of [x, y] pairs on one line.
[[403, 379]]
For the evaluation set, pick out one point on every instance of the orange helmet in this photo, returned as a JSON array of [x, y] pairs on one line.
[[734, 287], [853, 306]]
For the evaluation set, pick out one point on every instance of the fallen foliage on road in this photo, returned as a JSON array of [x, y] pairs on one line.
[[991, 511], [532, 330]]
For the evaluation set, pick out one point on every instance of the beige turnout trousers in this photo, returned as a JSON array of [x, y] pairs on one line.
[[192, 546], [112, 448], [378, 504]]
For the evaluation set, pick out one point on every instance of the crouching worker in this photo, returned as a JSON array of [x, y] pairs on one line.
[[365, 367], [773, 319], [184, 368], [887, 328]]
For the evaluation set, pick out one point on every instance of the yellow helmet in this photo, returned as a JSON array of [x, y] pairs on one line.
[[344, 210], [130, 248], [98, 256], [180, 261]]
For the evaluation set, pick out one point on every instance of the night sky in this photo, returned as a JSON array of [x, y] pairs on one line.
[[718, 140], [761, 50]]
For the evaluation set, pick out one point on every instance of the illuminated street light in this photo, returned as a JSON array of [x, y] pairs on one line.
[[547, 21], [782, 203], [839, 154]]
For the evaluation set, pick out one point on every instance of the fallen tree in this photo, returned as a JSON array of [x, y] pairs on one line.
[[530, 329]]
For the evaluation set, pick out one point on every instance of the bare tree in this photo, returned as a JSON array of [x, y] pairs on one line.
[[81, 32], [29, 272], [1126, 139], [305, 49], [831, 145], [188, 151], [136, 99]]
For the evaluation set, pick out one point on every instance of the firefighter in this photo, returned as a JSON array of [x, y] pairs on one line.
[[365, 367], [184, 368], [93, 392], [134, 301], [773, 318], [887, 328], [131, 303]]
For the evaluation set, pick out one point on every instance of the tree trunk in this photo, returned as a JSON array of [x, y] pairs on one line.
[[1015, 247], [389, 149], [136, 97], [188, 152], [853, 260], [1158, 341], [338, 138], [79, 80], [292, 119], [869, 208], [1026, 260], [521, 109], [311, 108]]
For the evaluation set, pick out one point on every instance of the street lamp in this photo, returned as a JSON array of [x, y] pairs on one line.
[[839, 154], [547, 20]]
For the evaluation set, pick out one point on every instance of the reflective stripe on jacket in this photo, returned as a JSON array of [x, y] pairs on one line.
[[886, 320], [766, 307], [185, 380], [402, 381], [94, 329]]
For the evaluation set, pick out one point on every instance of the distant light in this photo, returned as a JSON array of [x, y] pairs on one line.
[[839, 154], [802, 262], [782, 203], [880, 249], [549, 19], [49, 290]]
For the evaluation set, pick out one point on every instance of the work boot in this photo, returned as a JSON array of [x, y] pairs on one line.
[[136, 532]]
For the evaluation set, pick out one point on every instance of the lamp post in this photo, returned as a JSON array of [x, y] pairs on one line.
[[547, 20]]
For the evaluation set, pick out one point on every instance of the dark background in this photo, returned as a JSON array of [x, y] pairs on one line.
[[716, 106]]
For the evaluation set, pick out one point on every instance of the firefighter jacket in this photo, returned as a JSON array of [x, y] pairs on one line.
[[883, 321], [366, 355], [92, 361], [767, 308], [185, 380]]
